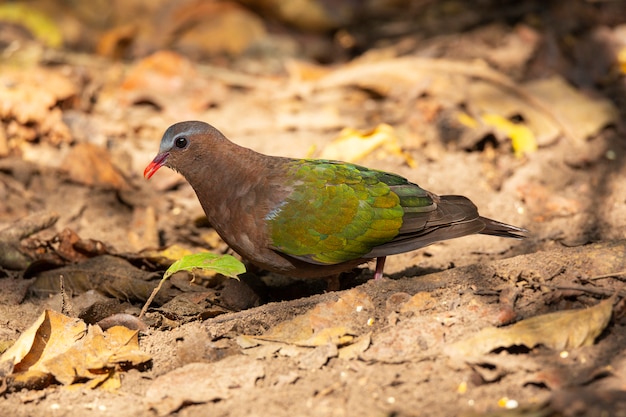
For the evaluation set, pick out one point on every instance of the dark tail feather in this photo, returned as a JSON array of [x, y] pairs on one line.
[[495, 228]]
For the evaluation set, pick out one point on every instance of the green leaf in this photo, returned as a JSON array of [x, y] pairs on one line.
[[226, 265]]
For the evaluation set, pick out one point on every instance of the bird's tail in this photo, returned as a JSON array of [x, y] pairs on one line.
[[496, 228]]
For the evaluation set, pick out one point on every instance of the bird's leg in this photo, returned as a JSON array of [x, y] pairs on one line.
[[380, 264], [333, 283]]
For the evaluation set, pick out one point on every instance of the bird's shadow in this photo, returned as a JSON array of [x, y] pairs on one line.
[[300, 288]]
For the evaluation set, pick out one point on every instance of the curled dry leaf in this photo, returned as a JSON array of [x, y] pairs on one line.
[[72, 352], [560, 330]]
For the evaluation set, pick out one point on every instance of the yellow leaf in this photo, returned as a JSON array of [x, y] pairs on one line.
[[352, 145], [621, 59], [97, 356], [522, 138], [339, 335], [37, 23], [360, 345], [171, 253], [68, 350], [52, 334], [330, 322], [467, 120], [560, 330]]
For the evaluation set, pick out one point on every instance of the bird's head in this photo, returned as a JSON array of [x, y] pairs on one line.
[[181, 144]]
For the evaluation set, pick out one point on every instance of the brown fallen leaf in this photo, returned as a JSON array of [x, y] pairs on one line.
[[107, 274], [170, 82], [560, 330], [550, 108], [91, 165], [318, 357], [584, 115], [418, 303], [71, 352], [334, 322], [210, 28], [493, 106], [41, 340], [115, 42], [30, 98], [98, 357], [360, 345]]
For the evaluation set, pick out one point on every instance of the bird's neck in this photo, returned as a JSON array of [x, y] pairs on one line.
[[230, 182]]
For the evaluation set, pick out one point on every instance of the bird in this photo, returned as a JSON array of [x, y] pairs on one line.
[[308, 218]]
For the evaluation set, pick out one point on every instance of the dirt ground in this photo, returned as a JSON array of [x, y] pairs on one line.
[[518, 107]]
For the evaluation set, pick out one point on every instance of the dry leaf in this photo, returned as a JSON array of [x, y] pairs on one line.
[[114, 43], [98, 356], [487, 98], [333, 321], [621, 60], [522, 138], [549, 107], [299, 71], [584, 115], [420, 302], [318, 357], [30, 98], [170, 82], [107, 274], [210, 28], [91, 165], [559, 331], [360, 345], [338, 336], [352, 145], [67, 350], [51, 335], [163, 71], [71, 248]]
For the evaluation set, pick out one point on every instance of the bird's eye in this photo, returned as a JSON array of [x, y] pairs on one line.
[[181, 142]]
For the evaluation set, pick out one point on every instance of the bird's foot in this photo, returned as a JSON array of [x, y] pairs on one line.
[[380, 265]]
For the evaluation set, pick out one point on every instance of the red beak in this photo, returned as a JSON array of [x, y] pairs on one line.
[[154, 166]]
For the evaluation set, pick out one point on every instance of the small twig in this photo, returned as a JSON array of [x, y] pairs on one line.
[[66, 305], [594, 291], [155, 291], [611, 275]]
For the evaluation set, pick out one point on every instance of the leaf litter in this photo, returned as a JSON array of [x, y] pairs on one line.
[[71, 353], [333, 360]]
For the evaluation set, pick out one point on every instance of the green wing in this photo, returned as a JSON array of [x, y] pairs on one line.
[[339, 212]]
